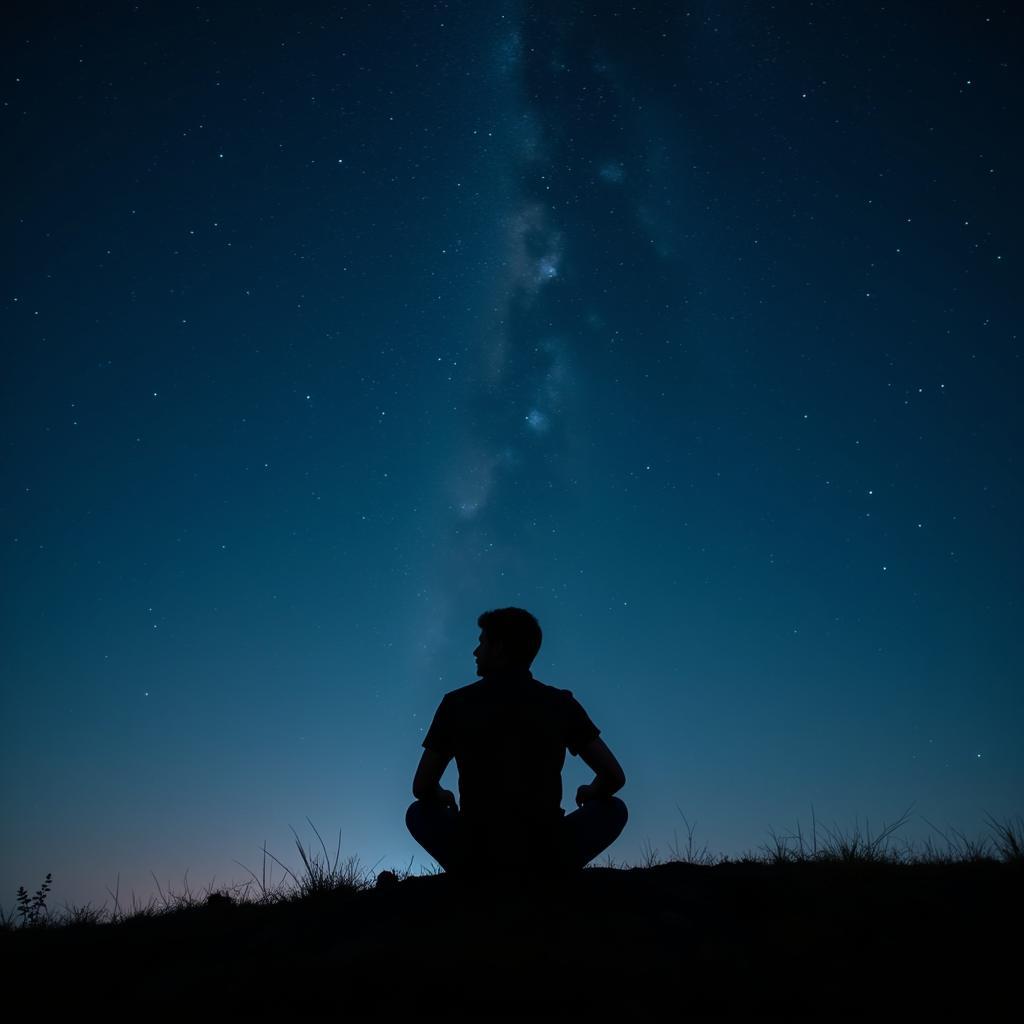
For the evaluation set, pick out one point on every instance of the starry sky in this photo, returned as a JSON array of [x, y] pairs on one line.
[[329, 326]]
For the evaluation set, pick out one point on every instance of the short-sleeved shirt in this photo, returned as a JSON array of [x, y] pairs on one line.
[[508, 734]]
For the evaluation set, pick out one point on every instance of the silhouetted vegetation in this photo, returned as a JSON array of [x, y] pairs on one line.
[[830, 914]]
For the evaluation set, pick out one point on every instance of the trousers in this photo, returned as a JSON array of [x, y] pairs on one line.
[[566, 846]]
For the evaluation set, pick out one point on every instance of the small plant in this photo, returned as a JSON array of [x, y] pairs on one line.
[[651, 858], [34, 912], [692, 855]]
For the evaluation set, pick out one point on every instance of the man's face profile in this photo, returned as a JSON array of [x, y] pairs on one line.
[[489, 656]]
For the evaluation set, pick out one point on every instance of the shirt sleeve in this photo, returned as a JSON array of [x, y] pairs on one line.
[[439, 736], [579, 729]]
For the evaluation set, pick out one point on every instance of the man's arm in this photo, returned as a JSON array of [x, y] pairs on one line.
[[427, 783], [610, 777]]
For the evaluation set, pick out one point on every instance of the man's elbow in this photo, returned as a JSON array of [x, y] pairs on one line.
[[610, 784]]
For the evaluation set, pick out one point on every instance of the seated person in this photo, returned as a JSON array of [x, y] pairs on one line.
[[508, 734]]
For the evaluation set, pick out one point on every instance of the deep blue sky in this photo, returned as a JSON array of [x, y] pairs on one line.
[[329, 326]]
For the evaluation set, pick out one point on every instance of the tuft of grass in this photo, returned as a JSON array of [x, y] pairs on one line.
[[651, 858], [837, 846], [320, 878], [852, 847], [82, 917], [1009, 839], [959, 848], [690, 855]]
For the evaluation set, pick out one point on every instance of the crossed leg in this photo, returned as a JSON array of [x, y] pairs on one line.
[[578, 839]]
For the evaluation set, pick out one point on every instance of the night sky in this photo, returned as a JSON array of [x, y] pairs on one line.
[[691, 328]]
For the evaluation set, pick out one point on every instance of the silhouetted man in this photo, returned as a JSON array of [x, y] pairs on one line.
[[508, 734]]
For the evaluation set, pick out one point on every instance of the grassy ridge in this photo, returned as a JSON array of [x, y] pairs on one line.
[[844, 918]]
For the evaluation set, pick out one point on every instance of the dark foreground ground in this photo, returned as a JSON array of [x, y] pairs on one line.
[[807, 939]]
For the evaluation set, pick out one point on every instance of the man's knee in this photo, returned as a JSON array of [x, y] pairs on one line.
[[617, 813], [611, 807], [414, 815]]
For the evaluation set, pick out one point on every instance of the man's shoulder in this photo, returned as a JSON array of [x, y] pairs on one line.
[[464, 691], [481, 687], [554, 692]]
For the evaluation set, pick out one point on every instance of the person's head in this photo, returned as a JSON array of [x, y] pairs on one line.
[[509, 639]]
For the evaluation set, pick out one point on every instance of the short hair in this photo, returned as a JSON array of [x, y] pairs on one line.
[[516, 630]]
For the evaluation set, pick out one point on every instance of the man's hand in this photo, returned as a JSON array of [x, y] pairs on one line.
[[447, 799]]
